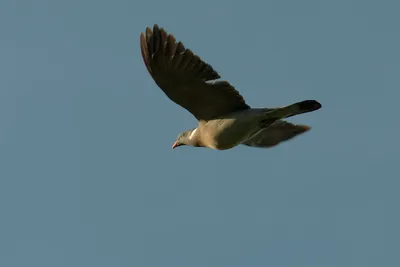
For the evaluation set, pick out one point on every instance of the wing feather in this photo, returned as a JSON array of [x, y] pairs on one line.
[[185, 78], [276, 133]]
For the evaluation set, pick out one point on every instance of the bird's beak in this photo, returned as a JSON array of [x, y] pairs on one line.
[[175, 144]]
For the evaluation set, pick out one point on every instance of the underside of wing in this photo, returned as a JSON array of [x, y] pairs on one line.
[[276, 133], [185, 78]]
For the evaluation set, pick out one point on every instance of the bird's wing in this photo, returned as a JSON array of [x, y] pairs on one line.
[[278, 132], [185, 78]]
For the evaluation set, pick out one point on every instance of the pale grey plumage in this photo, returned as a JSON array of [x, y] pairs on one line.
[[225, 120]]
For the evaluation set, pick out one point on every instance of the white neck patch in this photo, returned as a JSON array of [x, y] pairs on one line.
[[192, 134]]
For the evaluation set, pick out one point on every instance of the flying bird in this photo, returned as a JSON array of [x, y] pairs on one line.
[[224, 119]]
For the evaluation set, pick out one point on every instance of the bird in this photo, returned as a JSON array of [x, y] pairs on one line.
[[224, 118]]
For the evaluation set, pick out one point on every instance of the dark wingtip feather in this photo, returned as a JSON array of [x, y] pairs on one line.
[[300, 128], [161, 50], [145, 51]]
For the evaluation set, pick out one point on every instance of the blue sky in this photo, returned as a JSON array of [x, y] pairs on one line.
[[87, 176]]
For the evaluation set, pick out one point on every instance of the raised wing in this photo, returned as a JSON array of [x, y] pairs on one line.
[[186, 79], [276, 133]]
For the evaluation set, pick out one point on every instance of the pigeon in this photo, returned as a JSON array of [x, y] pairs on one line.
[[224, 119]]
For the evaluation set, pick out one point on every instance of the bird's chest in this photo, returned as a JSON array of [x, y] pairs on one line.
[[227, 133]]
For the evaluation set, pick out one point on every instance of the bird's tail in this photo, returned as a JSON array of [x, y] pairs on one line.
[[272, 115]]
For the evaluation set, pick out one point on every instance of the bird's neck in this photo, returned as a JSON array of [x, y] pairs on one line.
[[192, 135], [194, 138]]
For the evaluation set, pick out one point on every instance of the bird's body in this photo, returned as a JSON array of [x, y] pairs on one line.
[[224, 119], [229, 131]]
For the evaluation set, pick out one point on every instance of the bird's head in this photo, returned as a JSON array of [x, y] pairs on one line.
[[186, 138]]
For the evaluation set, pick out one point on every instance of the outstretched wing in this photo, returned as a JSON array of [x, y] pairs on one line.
[[276, 133], [185, 78]]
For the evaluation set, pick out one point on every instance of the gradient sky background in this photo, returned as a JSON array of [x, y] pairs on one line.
[[87, 176]]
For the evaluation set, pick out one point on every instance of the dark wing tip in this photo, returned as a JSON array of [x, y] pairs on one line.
[[301, 128], [161, 49], [145, 51], [277, 133]]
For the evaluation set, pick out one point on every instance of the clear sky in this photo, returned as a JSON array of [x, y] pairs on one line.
[[87, 175]]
